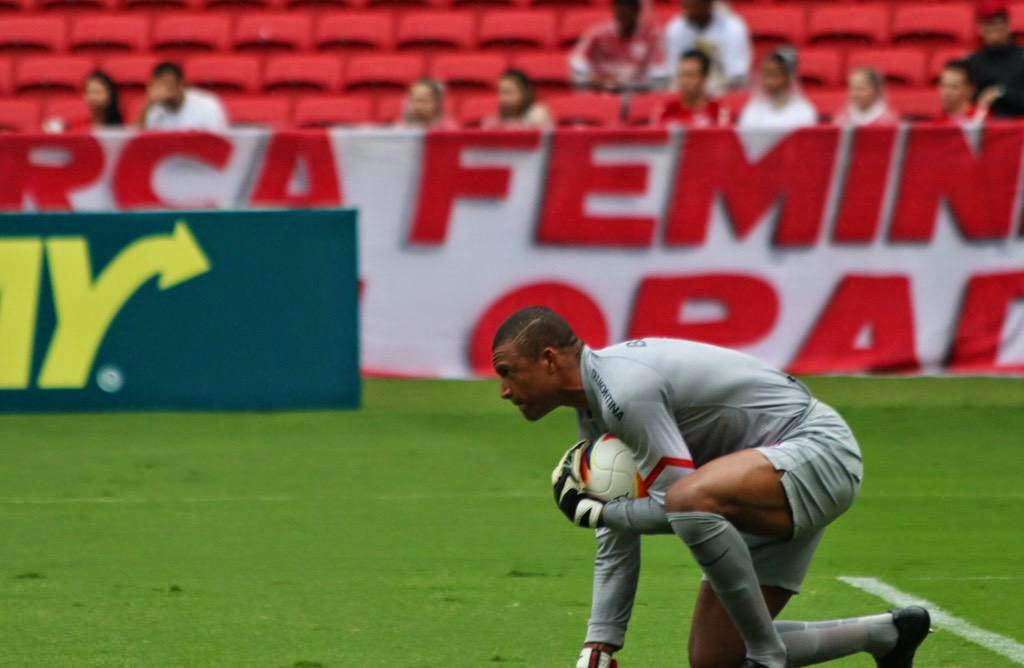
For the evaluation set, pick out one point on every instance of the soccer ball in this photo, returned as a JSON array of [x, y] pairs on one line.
[[608, 471]]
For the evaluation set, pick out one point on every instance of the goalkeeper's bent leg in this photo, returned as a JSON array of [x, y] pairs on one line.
[[725, 558]]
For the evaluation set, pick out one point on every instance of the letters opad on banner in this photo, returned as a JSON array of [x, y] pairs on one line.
[[821, 250], [190, 310]]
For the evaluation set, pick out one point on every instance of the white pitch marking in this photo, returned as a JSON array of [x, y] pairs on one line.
[[1008, 647]]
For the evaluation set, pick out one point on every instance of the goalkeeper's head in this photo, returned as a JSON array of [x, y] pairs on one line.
[[537, 356]]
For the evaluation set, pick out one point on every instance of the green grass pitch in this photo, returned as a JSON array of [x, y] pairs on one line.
[[420, 532]]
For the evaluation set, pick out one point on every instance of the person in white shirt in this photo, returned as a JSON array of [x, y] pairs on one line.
[[778, 104], [867, 104], [711, 27], [171, 105]]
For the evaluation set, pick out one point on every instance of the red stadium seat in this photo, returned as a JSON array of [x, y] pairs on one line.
[[828, 102], [224, 74], [105, 33], [268, 32], [418, 4], [324, 4], [5, 76], [182, 34], [130, 73], [473, 110], [511, 29], [916, 104], [28, 34], [69, 112], [383, 72], [435, 30], [848, 24], [160, 5], [899, 66], [51, 75], [549, 72], [74, 6], [565, 3], [19, 115], [272, 111], [16, 6], [771, 24], [938, 61], [933, 24], [242, 4], [355, 31], [388, 109], [585, 109], [303, 73], [462, 72], [316, 112], [821, 67], [485, 4], [642, 107], [1017, 20], [577, 21]]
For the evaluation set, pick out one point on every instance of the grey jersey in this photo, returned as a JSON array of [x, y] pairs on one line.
[[677, 405]]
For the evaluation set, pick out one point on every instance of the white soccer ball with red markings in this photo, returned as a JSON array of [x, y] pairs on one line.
[[608, 471]]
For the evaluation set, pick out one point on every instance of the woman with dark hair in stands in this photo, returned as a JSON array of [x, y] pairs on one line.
[[517, 104], [101, 96]]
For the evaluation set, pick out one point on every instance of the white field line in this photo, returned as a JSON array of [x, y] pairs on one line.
[[113, 500], [1008, 647]]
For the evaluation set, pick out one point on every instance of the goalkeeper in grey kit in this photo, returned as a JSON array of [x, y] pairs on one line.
[[740, 462]]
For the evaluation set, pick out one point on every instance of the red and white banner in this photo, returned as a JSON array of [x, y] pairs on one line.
[[822, 251]]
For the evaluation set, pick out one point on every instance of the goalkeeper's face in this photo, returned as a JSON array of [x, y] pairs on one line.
[[531, 384]]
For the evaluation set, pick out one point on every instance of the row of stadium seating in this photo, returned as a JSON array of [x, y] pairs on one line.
[[146, 5], [925, 24], [470, 72], [281, 111]]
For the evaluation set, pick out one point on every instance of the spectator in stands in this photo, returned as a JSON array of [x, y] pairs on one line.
[[425, 106], [956, 93], [867, 105], [171, 105], [998, 67], [711, 27], [778, 103], [692, 105], [625, 53], [517, 104], [100, 95]]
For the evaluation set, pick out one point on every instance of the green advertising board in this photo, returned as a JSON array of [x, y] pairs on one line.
[[190, 310]]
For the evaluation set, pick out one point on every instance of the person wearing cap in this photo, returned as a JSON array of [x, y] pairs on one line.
[[997, 68], [778, 103], [625, 53], [711, 27]]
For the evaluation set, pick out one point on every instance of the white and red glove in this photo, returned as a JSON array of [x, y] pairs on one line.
[[582, 510], [592, 657]]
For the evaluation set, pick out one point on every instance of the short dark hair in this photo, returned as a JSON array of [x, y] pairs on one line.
[[700, 56], [635, 4], [534, 328], [962, 66], [169, 67], [525, 87]]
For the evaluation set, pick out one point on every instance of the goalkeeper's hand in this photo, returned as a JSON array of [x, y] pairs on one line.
[[594, 657], [582, 510]]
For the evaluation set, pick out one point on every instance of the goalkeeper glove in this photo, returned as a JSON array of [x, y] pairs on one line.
[[582, 510], [592, 657]]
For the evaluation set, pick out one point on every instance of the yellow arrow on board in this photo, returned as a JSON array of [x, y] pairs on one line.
[[86, 308]]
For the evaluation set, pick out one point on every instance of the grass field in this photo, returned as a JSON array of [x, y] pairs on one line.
[[420, 532]]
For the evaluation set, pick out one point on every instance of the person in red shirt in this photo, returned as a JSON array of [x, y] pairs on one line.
[[692, 106], [626, 53], [956, 94]]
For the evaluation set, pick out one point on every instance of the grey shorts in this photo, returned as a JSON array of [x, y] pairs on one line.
[[823, 470]]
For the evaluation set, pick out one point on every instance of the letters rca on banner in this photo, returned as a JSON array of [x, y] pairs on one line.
[[254, 309], [821, 250]]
